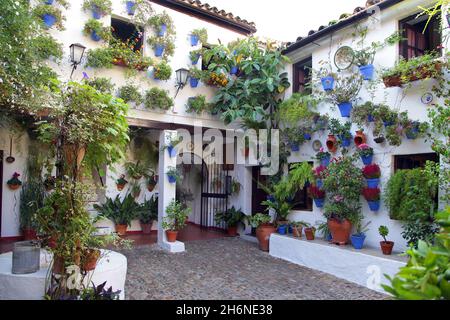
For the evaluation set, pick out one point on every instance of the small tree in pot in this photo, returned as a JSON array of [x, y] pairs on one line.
[[264, 229], [175, 219], [232, 218], [386, 246]]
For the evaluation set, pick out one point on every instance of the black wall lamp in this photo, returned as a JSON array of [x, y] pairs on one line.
[[76, 55], [182, 78]]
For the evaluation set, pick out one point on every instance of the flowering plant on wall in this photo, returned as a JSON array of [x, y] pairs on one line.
[[14, 183], [371, 171]]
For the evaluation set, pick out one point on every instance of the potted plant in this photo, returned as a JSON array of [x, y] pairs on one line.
[[362, 114], [131, 7], [195, 75], [297, 228], [322, 227], [96, 30], [156, 98], [163, 24], [310, 231], [194, 56], [372, 173], [50, 15], [197, 104], [345, 91], [199, 35], [342, 131], [151, 182], [342, 185], [415, 129], [324, 157], [49, 183], [294, 138], [264, 229], [171, 145], [121, 212], [148, 214], [99, 8], [319, 173], [14, 183], [162, 71], [365, 153], [135, 190], [163, 46], [135, 170], [386, 246], [318, 196], [130, 93], [173, 175], [360, 235], [232, 218], [175, 220], [235, 186], [31, 200], [121, 182], [372, 195], [327, 78], [331, 143], [386, 115]]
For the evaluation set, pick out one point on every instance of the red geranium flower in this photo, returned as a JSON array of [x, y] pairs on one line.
[[371, 171]]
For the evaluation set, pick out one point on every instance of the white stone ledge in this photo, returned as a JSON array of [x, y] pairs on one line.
[[365, 267]]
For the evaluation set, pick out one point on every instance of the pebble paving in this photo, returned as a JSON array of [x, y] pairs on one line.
[[229, 268]]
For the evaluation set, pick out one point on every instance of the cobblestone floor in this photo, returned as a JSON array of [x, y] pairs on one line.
[[229, 268]]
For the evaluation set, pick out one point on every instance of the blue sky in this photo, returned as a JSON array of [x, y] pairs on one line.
[[287, 19]]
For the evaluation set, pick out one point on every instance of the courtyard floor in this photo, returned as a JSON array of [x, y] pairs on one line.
[[229, 268]]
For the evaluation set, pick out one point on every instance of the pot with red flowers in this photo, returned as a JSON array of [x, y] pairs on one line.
[[372, 173], [324, 157], [319, 173], [318, 196], [372, 195]]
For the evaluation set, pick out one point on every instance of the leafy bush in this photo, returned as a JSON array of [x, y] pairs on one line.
[[176, 216], [121, 212], [46, 46], [413, 231], [156, 98], [197, 104], [43, 9], [202, 35], [104, 85], [162, 71], [130, 93], [104, 6], [232, 217]]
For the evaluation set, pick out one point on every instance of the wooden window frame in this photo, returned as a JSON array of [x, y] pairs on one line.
[[138, 29], [418, 157], [296, 68]]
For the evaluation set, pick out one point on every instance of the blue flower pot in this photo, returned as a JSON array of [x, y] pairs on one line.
[[307, 136], [367, 71], [49, 20], [282, 229], [367, 159], [96, 13], [194, 40], [327, 83], [373, 183], [159, 50], [388, 123], [172, 151], [329, 237], [295, 147], [131, 7], [325, 162], [95, 36], [195, 60], [345, 108], [290, 230], [234, 70], [162, 30], [413, 134], [358, 241], [374, 205], [370, 118], [319, 183], [319, 202], [172, 179], [193, 82], [48, 1], [345, 142], [270, 198]]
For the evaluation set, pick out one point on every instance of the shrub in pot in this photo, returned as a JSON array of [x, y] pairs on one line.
[[264, 229], [310, 231], [343, 186], [99, 8], [199, 35], [50, 15], [121, 212], [386, 246], [360, 235], [195, 75], [372, 195], [231, 218], [175, 219], [148, 214], [372, 173], [365, 153], [345, 91], [158, 99]]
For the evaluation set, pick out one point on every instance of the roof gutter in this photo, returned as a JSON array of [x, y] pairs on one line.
[[209, 16], [338, 26]]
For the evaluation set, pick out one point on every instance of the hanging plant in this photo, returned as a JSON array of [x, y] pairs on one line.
[[195, 75], [14, 183], [345, 91], [96, 30], [50, 15], [173, 175], [163, 24], [342, 131], [135, 170], [156, 98], [324, 157], [372, 195], [318, 196], [163, 46], [162, 71], [366, 153], [152, 181], [293, 138], [327, 78], [194, 56], [362, 114], [99, 8], [372, 173], [199, 35], [197, 104], [121, 182], [130, 93]]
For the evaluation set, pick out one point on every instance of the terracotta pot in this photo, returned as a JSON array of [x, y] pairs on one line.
[[151, 187], [29, 234], [232, 231], [360, 138], [394, 81], [14, 186], [121, 229], [263, 233], [146, 227], [310, 233], [340, 231], [90, 260], [386, 247], [246, 152], [171, 235], [58, 265], [52, 242], [74, 154], [297, 231], [136, 194], [422, 72], [332, 143], [120, 187]]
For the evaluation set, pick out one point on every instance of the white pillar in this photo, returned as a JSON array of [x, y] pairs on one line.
[[167, 192]]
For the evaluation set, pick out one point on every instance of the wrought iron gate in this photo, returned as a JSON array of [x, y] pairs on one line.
[[216, 185]]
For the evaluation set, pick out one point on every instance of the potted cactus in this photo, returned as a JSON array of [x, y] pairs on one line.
[[386, 246]]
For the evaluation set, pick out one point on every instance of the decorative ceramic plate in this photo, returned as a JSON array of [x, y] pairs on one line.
[[344, 57], [427, 98], [316, 145]]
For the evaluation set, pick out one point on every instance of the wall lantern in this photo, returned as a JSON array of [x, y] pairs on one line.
[[76, 55], [182, 78]]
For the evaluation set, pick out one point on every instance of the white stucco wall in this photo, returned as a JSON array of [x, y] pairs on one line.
[[397, 98]]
